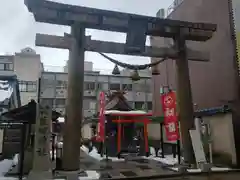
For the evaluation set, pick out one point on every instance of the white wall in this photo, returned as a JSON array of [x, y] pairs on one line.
[[222, 134], [86, 131], [27, 67], [88, 66]]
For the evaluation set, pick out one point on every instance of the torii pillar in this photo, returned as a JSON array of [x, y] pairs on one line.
[[74, 113]]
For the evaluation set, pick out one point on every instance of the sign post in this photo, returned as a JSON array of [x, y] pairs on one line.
[[101, 124]]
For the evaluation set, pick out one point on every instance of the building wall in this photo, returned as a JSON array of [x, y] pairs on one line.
[[212, 82], [54, 90], [6, 65], [236, 16], [222, 135], [27, 67], [87, 131], [88, 66]]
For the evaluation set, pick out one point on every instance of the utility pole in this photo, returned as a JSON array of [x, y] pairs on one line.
[[74, 113], [184, 98]]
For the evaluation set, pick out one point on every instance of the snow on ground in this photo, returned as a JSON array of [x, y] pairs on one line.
[[95, 155], [91, 175], [215, 169], [8, 178], [169, 160], [6, 165]]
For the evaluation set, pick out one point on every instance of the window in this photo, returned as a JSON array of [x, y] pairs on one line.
[[31, 87], [62, 84], [92, 105], [114, 86], [127, 87], [60, 102], [27, 86], [149, 105], [89, 86], [99, 86], [47, 102], [139, 105], [1, 66], [6, 66], [139, 87], [23, 87]]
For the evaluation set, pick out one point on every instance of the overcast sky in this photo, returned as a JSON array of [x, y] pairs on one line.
[[18, 29]]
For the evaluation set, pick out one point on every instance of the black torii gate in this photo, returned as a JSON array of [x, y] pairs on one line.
[[137, 28]]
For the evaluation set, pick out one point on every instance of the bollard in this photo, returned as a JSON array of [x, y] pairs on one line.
[[53, 146], [59, 154], [174, 150]]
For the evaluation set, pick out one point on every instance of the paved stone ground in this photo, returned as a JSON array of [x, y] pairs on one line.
[[144, 167], [121, 169]]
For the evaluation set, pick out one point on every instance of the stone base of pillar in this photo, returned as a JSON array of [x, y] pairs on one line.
[[45, 175], [205, 167]]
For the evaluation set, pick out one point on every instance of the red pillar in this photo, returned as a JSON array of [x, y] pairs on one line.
[[119, 136]]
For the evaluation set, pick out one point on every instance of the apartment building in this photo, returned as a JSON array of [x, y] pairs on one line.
[[54, 90], [26, 66]]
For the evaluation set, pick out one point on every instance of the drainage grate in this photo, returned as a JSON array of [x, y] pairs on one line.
[[128, 173], [106, 167], [105, 176], [163, 165], [143, 167], [141, 160]]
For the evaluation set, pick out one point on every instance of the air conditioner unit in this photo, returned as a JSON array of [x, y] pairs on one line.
[[161, 13]]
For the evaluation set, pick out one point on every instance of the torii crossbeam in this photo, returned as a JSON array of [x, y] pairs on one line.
[[136, 27], [64, 42]]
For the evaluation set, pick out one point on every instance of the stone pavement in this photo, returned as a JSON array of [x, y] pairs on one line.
[[141, 168], [121, 169]]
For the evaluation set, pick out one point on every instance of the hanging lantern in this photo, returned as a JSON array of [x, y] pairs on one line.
[[135, 76], [155, 70], [116, 70]]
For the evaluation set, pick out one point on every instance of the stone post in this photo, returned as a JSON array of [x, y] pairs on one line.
[[184, 99], [74, 112]]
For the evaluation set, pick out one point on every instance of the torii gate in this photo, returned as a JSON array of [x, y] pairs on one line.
[[137, 28]]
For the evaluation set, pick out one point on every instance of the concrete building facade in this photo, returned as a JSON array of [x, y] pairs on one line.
[[27, 66], [54, 90], [214, 82]]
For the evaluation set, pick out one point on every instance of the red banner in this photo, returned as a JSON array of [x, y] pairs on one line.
[[170, 116], [101, 123]]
